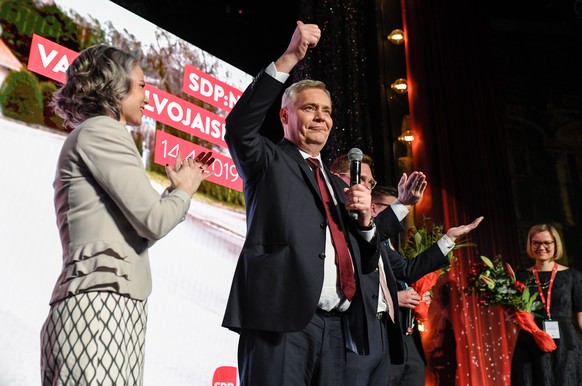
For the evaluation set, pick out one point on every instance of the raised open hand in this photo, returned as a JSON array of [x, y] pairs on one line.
[[411, 189], [461, 230]]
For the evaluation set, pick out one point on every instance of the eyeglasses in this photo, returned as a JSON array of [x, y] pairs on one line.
[[546, 244], [364, 180], [382, 204]]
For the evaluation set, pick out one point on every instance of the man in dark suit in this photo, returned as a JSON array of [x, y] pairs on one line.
[[293, 317], [385, 333], [412, 371]]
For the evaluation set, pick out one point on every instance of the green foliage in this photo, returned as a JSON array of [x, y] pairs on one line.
[[419, 239], [422, 237], [228, 196], [20, 97], [494, 283], [51, 120], [20, 19]]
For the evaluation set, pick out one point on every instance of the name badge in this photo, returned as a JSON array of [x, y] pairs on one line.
[[552, 328]]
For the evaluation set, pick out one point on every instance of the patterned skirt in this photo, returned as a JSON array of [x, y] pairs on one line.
[[94, 338]]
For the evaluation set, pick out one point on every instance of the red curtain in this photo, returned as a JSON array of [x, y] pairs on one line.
[[459, 145]]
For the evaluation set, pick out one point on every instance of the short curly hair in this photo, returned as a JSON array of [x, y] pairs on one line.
[[97, 82]]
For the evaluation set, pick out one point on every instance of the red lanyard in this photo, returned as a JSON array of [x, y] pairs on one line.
[[542, 297]]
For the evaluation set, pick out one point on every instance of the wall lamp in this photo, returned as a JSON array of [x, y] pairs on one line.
[[406, 137], [400, 86], [396, 36]]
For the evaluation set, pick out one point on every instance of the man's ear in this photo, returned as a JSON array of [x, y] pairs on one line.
[[283, 116]]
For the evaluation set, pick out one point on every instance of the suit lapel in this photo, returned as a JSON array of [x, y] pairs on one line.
[[299, 165], [390, 278], [336, 183]]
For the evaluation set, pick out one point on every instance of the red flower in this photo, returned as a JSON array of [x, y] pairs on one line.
[[520, 286], [494, 283]]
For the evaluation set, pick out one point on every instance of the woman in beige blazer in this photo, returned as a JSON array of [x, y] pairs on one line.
[[108, 215]]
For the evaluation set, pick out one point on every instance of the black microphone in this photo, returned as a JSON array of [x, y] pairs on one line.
[[355, 156]]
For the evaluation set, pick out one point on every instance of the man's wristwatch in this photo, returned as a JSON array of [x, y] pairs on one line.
[[369, 227]]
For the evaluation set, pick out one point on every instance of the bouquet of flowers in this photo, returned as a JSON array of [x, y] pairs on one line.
[[494, 283], [419, 239]]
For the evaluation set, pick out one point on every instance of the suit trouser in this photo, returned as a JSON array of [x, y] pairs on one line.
[[313, 356], [372, 369], [411, 372]]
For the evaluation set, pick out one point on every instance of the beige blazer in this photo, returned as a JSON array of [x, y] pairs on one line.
[[108, 213]]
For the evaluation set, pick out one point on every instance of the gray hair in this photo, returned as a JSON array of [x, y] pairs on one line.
[[290, 94], [97, 82]]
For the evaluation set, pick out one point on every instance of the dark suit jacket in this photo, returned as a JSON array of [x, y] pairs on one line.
[[279, 276], [397, 266]]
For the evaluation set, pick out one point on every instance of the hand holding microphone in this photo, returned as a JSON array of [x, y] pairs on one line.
[[359, 196], [355, 156]]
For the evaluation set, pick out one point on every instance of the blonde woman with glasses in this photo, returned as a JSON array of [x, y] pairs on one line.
[[559, 288]]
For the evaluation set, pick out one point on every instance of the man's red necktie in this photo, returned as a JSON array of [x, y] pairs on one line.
[[342, 255]]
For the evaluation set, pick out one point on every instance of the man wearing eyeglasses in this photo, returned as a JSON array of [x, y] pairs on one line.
[[412, 371], [380, 289], [341, 167]]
